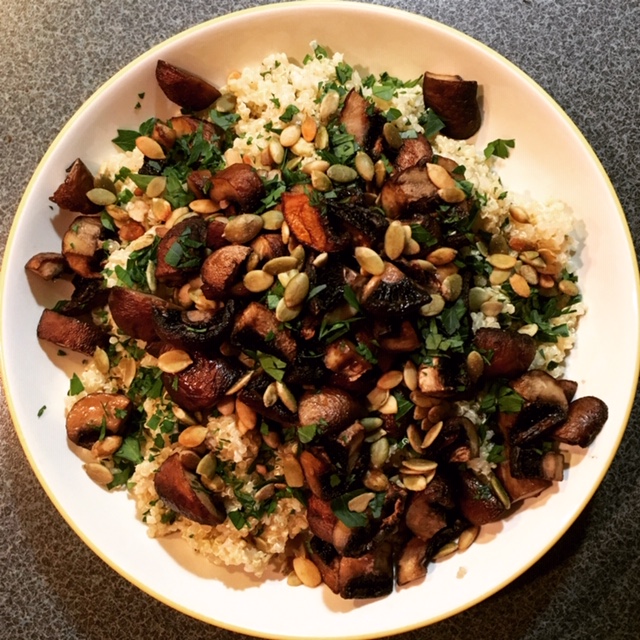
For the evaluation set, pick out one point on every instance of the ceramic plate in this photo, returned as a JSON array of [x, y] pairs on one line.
[[551, 159]]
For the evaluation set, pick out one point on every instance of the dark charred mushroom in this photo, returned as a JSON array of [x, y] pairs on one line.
[[477, 499], [184, 88], [407, 191], [133, 312], [80, 245], [96, 412], [455, 101], [520, 488], [220, 271], [333, 408], [585, 419], [238, 183], [252, 394], [443, 378], [70, 333], [72, 193], [354, 117], [369, 576], [322, 520], [318, 471], [88, 293], [181, 251], [181, 491], [188, 125], [47, 265], [203, 384], [365, 225], [413, 560], [412, 151], [528, 462], [342, 357], [510, 353]]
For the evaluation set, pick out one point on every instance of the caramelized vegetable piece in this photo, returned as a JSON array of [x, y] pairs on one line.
[[412, 563], [369, 576], [95, 413], [184, 88], [80, 245], [252, 394], [407, 191], [133, 312], [182, 492], [584, 422], [322, 520], [47, 265], [455, 101], [70, 333], [220, 271], [331, 407], [318, 471], [181, 251], [412, 151], [187, 125], [478, 503], [203, 384], [520, 488], [511, 353], [355, 118], [72, 193], [308, 224], [239, 183]]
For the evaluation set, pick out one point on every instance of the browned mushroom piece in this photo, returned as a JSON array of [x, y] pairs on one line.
[[369, 576], [510, 353], [164, 135], [132, 311], [412, 151], [455, 101], [202, 384], [333, 409], [80, 244], [407, 190], [322, 520], [199, 182], [70, 333], [215, 234], [341, 356], [477, 500], [97, 415], [268, 246], [403, 340], [355, 118], [326, 558], [72, 193], [239, 183], [530, 462], [188, 125], [443, 378], [181, 251], [252, 394], [344, 449], [88, 294], [182, 492], [570, 388], [412, 561], [520, 488], [258, 328], [308, 225], [585, 419], [426, 513], [318, 472], [220, 271], [47, 265], [184, 88]]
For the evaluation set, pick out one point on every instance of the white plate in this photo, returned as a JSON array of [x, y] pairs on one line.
[[551, 159]]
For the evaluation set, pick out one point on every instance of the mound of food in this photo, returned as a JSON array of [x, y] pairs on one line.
[[322, 336]]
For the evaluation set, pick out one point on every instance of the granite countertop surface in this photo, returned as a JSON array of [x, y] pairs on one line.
[[55, 53]]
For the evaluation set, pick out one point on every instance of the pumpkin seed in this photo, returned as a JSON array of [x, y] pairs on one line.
[[371, 423], [293, 580], [411, 247], [287, 398], [257, 280], [272, 220], [475, 365], [419, 464], [446, 550], [434, 307], [265, 493], [546, 282], [101, 360], [500, 492], [246, 415], [380, 172], [149, 148], [243, 228], [240, 384], [390, 379], [377, 397], [410, 375], [309, 129], [364, 166], [375, 435], [392, 135], [226, 406], [270, 395], [360, 503], [369, 260], [285, 313], [502, 261], [529, 329], [452, 195], [276, 151], [451, 287], [182, 416], [290, 135], [414, 482], [207, 465], [568, 287], [477, 296], [303, 148], [321, 259], [432, 434], [492, 308], [440, 176], [280, 264], [442, 256], [226, 103], [468, 537], [286, 276], [156, 187], [498, 277], [307, 571], [106, 447], [341, 173], [375, 480], [520, 285], [320, 181], [518, 214], [174, 361], [101, 197], [297, 290], [415, 438], [390, 407], [192, 437], [529, 274], [329, 105], [98, 473], [379, 452], [293, 475], [394, 240], [204, 206], [299, 254], [322, 138], [422, 399]]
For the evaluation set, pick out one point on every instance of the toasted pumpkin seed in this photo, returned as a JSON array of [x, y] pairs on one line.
[[434, 307], [297, 290], [410, 375], [392, 135], [265, 493], [452, 195], [477, 296], [320, 181], [529, 274], [390, 379], [106, 447], [415, 438], [285, 313], [468, 537], [286, 397], [192, 437], [414, 482], [547, 284], [446, 550], [272, 220], [101, 360], [341, 173], [150, 148], [308, 129], [257, 280], [422, 400], [371, 423], [276, 151], [390, 406], [299, 254], [411, 247], [394, 240], [293, 580], [529, 329], [369, 260], [280, 264], [227, 406], [316, 165], [377, 397], [174, 361], [226, 103], [246, 415], [375, 435], [329, 105], [243, 228], [568, 287], [98, 473], [498, 277], [442, 256], [500, 491], [380, 172], [440, 176], [375, 480], [419, 464], [307, 572], [502, 261], [492, 308], [207, 465], [156, 187], [451, 287], [240, 384], [379, 452], [182, 416], [270, 395], [286, 276], [293, 474], [432, 433], [101, 197], [303, 148], [518, 214], [290, 135], [364, 166], [322, 138], [475, 365], [360, 503], [520, 285], [204, 206], [321, 259]]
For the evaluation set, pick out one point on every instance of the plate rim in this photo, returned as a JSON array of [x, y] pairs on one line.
[[277, 7]]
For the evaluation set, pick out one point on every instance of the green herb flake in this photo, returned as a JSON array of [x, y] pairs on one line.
[[499, 148], [75, 386], [272, 366], [41, 410], [307, 433]]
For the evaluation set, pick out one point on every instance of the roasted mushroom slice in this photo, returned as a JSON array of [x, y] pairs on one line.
[[70, 333], [188, 125], [132, 311], [239, 183], [408, 191], [47, 265], [202, 384], [510, 353], [355, 118], [88, 294], [529, 462], [478, 500], [96, 415], [181, 251], [332, 408], [365, 225], [342, 357], [253, 395], [318, 471], [322, 520], [80, 245], [585, 419], [444, 377], [220, 271], [369, 576], [455, 101], [413, 560], [72, 193], [412, 151], [181, 491], [520, 488], [184, 88]]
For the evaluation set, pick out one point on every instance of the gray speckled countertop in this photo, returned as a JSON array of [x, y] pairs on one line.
[[55, 53]]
